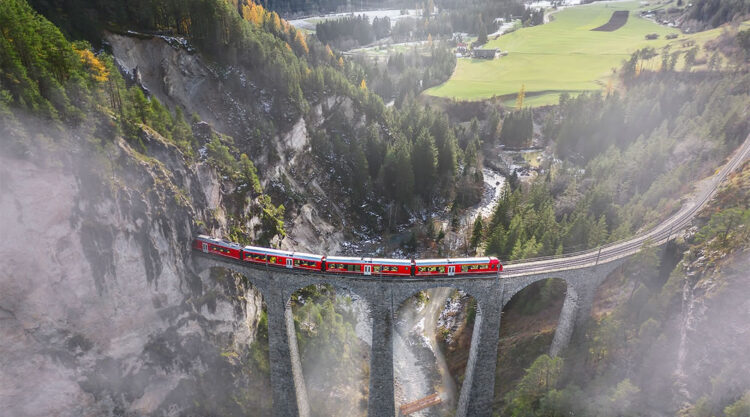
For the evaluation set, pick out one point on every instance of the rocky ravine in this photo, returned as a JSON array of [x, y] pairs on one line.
[[100, 313]]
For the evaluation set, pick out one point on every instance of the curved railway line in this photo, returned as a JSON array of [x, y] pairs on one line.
[[657, 235]]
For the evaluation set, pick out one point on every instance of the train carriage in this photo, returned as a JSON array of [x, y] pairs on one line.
[[392, 267], [426, 267], [368, 266], [482, 265], [225, 248], [347, 265], [461, 266], [286, 259], [308, 261]]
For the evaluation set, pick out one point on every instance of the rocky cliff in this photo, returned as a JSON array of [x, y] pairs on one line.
[[231, 103], [100, 311]]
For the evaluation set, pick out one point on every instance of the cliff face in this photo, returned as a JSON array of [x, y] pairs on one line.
[[713, 348], [99, 310], [234, 105]]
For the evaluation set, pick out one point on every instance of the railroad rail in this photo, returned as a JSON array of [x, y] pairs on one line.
[[617, 250]]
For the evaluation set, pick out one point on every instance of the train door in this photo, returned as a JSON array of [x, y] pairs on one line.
[[368, 269], [451, 270], [289, 263], [204, 246]]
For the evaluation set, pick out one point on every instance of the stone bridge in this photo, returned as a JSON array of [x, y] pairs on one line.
[[582, 272], [384, 296]]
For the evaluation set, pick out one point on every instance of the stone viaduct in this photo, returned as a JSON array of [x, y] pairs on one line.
[[583, 273], [384, 296]]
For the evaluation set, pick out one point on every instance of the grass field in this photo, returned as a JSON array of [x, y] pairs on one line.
[[563, 55]]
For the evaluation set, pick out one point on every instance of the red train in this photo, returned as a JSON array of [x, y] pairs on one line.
[[348, 265]]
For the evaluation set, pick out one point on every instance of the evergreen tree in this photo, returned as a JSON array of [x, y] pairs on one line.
[[476, 233], [424, 163], [482, 37], [398, 177], [375, 149]]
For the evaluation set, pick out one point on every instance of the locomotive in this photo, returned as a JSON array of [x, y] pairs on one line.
[[345, 264]]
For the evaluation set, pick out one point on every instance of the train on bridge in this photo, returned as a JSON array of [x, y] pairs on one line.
[[346, 265]]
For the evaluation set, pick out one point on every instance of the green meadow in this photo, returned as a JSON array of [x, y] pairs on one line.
[[564, 55]]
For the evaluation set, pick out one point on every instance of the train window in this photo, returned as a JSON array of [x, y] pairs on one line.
[[441, 269], [376, 268], [273, 260]]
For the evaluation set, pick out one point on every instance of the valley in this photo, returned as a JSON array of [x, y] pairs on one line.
[[594, 140]]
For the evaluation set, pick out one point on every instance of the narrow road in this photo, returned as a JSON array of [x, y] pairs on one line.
[[657, 236]]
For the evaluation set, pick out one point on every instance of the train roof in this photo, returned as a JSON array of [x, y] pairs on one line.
[[452, 261], [361, 260], [267, 251], [308, 256], [391, 261], [217, 240], [277, 252]]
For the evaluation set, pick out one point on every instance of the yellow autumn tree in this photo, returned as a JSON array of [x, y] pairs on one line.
[[299, 39], [329, 52], [253, 13], [341, 62], [610, 87], [521, 96], [363, 84], [275, 23], [94, 65]]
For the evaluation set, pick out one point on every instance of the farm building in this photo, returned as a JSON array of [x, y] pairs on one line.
[[485, 53]]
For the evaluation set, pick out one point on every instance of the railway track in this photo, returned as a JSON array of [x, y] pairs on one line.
[[617, 250]]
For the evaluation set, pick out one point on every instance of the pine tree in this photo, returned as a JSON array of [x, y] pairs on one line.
[[398, 177], [360, 174], [482, 38], [424, 162], [476, 233]]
